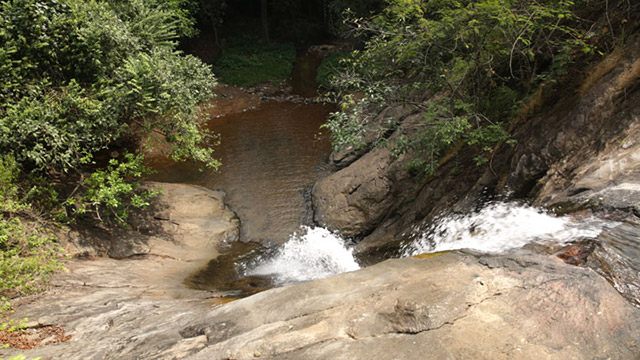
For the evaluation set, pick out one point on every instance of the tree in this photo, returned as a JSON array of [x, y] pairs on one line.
[[265, 21], [479, 59], [214, 11], [78, 77]]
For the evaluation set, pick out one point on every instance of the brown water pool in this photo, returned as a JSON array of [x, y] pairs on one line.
[[271, 157]]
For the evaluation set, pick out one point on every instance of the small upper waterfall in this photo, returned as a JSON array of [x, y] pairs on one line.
[[316, 253], [499, 227]]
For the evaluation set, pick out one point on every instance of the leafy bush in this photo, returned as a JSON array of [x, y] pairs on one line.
[[55, 129], [27, 257], [78, 77], [338, 12], [114, 188], [78, 73], [329, 68], [248, 62], [28, 253], [467, 57]]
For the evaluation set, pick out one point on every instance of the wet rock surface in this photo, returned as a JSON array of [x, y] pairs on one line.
[[578, 148], [610, 180], [454, 305]]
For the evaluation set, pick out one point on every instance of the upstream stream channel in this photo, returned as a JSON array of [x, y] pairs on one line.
[[272, 155]]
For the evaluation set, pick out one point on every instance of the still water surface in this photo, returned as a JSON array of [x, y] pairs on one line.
[[270, 159]]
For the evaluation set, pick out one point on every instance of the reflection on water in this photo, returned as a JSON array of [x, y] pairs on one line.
[[303, 80], [271, 156]]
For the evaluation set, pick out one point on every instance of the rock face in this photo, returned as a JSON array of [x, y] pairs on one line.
[[611, 179], [450, 306], [355, 199], [185, 221], [579, 147], [110, 305], [456, 305]]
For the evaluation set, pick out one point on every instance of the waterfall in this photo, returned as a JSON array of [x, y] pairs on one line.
[[499, 227], [316, 253], [313, 254]]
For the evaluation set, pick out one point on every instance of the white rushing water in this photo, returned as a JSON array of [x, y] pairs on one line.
[[314, 254], [500, 227]]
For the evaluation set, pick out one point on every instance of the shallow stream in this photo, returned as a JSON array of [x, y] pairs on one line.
[[274, 153]]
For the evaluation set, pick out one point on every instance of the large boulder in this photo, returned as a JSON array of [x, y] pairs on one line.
[[354, 199], [450, 306], [183, 218]]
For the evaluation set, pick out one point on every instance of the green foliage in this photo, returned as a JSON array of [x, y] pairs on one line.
[[55, 129], [20, 357], [329, 68], [184, 12], [160, 92], [78, 77], [77, 73], [28, 253], [9, 325], [339, 12], [114, 189], [480, 58], [9, 202], [248, 62]]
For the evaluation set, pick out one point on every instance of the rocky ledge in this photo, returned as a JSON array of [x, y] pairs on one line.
[[104, 302], [453, 305]]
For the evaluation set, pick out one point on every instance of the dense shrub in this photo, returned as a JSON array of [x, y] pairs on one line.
[[80, 77], [329, 68], [465, 64], [76, 76], [28, 253]]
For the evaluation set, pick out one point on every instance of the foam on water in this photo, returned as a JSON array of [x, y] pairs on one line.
[[499, 227], [315, 254]]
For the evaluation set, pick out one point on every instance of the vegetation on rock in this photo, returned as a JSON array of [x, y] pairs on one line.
[[467, 65]]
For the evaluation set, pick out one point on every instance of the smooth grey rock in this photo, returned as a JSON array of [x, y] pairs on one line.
[[611, 179], [354, 199], [134, 307], [450, 306]]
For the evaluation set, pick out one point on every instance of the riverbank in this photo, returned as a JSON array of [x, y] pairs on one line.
[[179, 234]]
